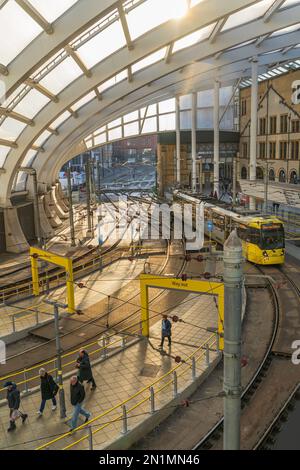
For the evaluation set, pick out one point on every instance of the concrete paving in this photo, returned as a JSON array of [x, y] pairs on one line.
[[119, 378]]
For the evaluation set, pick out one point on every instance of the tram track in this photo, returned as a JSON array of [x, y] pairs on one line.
[[276, 355]]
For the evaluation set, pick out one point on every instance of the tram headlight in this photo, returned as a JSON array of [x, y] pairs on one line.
[[265, 254]]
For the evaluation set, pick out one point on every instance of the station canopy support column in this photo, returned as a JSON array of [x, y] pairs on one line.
[[253, 129], [216, 137], [178, 140], [194, 141]]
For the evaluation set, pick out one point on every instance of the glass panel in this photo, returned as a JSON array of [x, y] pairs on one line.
[[152, 111], [115, 133], [100, 139], [51, 10], [131, 116], [20, 181], [195, 2], [167, 122], [11, 129], [3, 153], [149, 60], [89, 143], [289, 29], [31, 104], [150, 125], [248, 14], [66, 72], [166, 106], [104, 44], [152, 13], [289, 3], [29, 157], [205, 119], [205, 98], [17, 31], [185, 102], [113, 81], [62, 118], [131, 129], [86, 99], [193, 38], [42, 138], [116, 122], [185, 120]]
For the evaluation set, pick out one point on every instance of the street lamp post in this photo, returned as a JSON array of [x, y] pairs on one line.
[[62, 401]]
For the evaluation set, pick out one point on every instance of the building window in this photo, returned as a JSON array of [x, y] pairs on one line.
[[272, 175], [244, 173], [281, 176], [262, 126], [295, 144], [244, 107], [283, 124], [272, 150], [283, 146], [262, 150], [245, 150], [293, 177], [295, 126], [259, 173], [273, 125]]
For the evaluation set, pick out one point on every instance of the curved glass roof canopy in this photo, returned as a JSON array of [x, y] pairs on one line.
[[70, 67]]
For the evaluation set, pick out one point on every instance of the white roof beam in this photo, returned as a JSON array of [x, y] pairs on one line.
[[130, 74], [38, 149], [74, 113], [79, 17], [33, 84], [73, 54], [98, 94], [261, 39], [217, 29], [273, 9], [3, 70], [35, 15], [8, 143], [169, 53], [16, 116], [287, 49], [125, 26]]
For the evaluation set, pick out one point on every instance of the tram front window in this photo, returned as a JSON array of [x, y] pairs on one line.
[[272, 239]]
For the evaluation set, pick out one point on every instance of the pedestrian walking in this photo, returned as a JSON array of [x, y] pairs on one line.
[[77, 396], [85, 369], [14, 401], [49, 389], [166, 330]]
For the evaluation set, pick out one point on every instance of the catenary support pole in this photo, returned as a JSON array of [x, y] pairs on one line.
[[178, 142], [266, 189], [88, 197], [233, 279], [71, 215], [234, 177], [194, 141], [62, 401], [36, 209], [217, 138], [253, 128]]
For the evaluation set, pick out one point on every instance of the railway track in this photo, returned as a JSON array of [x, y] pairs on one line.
[[278, 348]]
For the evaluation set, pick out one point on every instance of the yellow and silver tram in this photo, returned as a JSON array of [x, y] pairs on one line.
[[262, 236]]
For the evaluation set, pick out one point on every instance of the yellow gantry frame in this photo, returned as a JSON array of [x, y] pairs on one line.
[[37, 254], [203, 287]]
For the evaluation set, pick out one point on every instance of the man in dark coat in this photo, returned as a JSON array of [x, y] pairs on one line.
[[48, 390], [14, 401], [85, 369], [166, 330], [77, 396]]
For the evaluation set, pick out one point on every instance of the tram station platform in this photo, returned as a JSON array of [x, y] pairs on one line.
[[125, 379]]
